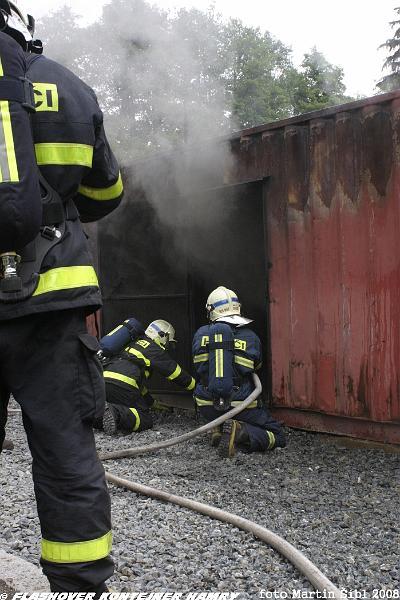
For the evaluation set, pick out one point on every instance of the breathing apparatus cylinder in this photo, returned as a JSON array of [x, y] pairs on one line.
[[220, 365], [119, 338], [20, 196]]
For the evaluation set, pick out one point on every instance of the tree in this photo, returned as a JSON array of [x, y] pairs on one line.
[[392, 80], [163, 78], [318, 84], [256, 75]]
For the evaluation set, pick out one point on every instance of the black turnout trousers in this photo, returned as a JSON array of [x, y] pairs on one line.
[[48, 363]]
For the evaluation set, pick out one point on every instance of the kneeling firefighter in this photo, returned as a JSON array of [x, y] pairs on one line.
[[225, 354], [47, 288], [128, 400]]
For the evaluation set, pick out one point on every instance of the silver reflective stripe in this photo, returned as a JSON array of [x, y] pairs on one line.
[[5, 169]]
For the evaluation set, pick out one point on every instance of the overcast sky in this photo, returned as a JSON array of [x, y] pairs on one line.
[[347, 32]]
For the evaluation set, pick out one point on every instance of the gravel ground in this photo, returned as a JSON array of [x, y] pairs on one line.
[[339, 505]]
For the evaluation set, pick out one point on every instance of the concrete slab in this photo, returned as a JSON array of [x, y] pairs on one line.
[[20, 575]]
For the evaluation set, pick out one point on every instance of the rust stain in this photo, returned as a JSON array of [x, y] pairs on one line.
[[323, 172], [348, 154], [297, 166], [378, 147], [362, 391]]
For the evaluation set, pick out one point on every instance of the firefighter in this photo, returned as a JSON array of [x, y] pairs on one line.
[[47, 359], [128, 400], [238, 354]]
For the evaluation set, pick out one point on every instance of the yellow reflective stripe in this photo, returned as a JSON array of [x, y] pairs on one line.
[[7, 144], [63, 153], [143, 390], [251, 405], [147, 374], [219, 357], [1, 171], [202, 402], [108, 193], [191, 385], [175, 374], [8, 162], [114, 330], [119, 377], [66, 278], [74, 552], [200, 358], [271, 440], [138, 354], [137, 424], [245, 362]]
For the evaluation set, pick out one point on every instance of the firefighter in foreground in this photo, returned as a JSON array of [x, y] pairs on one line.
[[225, 354], [128, 400], [47, 359]]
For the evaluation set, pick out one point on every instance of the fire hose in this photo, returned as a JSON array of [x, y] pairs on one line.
[[297, 558], [190, 434]]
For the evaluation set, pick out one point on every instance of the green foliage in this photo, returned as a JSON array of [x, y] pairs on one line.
[[165, 77], [256, 75], [319, 84], [391, 81]]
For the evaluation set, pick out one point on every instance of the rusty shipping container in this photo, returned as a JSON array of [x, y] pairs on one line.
[[311, 245]]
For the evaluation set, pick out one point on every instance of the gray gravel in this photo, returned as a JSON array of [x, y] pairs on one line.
[[339, 505]]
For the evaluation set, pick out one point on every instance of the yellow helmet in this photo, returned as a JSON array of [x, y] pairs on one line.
[[222, 303], [161, 332]]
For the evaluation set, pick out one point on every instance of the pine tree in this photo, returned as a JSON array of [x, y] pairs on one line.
[[392, 80]]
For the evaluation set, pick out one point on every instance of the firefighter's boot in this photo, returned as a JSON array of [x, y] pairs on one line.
[[215, 437], [161, 408], [110, 420], [234, 435], [276, 440]]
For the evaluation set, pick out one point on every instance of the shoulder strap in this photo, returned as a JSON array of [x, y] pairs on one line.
[[18, 89]]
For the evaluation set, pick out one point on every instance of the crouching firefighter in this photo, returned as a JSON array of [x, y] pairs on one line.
[[47, 288], [225, 354], [128, 400]]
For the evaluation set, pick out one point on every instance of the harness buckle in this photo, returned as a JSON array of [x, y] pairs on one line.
[[50, 233], [29, 96]]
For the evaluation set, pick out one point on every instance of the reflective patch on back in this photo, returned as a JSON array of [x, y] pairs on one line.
[[46, 97], [143, 343], [204, 340], [241, 345]]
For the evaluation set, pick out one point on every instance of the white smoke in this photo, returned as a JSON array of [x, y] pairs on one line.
[[157, 77]]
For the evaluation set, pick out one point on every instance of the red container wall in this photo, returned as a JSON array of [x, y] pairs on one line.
[[333, 223]]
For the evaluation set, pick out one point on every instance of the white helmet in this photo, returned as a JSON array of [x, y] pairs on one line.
[[17, 23], [161, 332], [222, 303]]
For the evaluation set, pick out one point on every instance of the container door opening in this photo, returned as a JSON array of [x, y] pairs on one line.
[[148, 271]]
